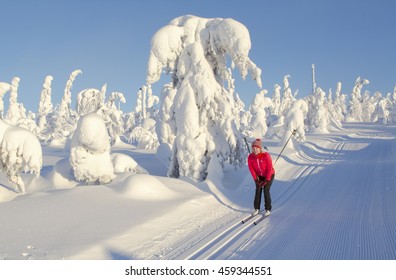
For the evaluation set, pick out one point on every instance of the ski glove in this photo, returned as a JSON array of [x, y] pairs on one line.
[[261, 184]]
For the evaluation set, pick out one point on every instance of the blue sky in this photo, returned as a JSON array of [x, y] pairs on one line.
[[109, 40]]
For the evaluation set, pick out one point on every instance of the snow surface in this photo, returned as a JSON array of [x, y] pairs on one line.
[[334, 197]]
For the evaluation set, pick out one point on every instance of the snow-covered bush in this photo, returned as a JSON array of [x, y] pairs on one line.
[[144, 135], [202, 118], [90, 151], [20, 151]]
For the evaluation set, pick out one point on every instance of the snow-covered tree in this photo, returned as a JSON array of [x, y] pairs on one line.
[[318, 116], [355, 103], [368, 107], [141, 124], [20, 151], [144, 135], [4, 88], [393, 112], [276, 100], [288, 99], [259, 110], [112, 115], [90, 100], [332, 113], [146, 101], [62, 121], [294, 123], [90, 151], [165, 127], [385, 109], [195, 51], [29, 123], [45, 105], [339, 104], [16, 110]]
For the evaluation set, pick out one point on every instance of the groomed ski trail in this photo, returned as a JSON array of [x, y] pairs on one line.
[[223, 242], [315, 215]]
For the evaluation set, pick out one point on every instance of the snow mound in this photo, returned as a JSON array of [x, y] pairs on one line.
[[145, 187], [7, 194], [164, 153], [61, 177], [124, 163]]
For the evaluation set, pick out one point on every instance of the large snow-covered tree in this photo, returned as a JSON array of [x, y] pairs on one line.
[[62, 122], [202, 117]]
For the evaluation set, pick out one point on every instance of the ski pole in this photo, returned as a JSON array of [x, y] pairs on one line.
[[247, 145], [293, 133]]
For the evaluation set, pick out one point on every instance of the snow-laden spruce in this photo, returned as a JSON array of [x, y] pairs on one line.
[[90, 151], [4, 88], [203, 118], [62, 122], [45, 107], [20, 151], [16, 111], [259, 110]]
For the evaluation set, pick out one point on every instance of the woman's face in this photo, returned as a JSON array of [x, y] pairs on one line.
[[256, 150]]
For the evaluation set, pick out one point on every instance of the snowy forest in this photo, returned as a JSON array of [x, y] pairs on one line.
[[198, 119]]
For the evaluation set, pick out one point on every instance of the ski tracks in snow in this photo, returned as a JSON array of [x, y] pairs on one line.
[[323, 208], [223, 242]]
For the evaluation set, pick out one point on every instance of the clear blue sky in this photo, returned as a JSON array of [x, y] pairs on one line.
[[109, 40]]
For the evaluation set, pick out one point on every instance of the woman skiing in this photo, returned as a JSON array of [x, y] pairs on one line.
[[263, 173]]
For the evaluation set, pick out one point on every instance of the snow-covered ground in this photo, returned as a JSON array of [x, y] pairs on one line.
[[333, 198]]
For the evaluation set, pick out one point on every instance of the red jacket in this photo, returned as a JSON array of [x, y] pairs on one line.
[[261, 165]]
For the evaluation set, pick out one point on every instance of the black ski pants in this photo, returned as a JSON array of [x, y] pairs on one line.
[[267, 195]]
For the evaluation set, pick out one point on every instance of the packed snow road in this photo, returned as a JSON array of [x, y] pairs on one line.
[[335, 198]]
